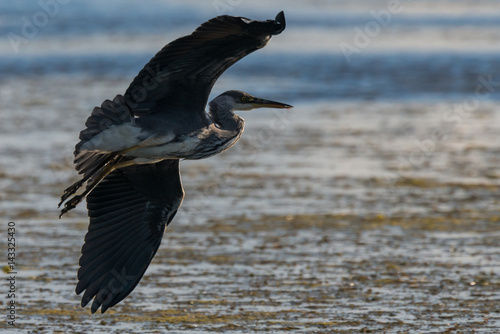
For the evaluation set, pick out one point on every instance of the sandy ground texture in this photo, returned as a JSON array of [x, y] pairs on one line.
[[359, 217]]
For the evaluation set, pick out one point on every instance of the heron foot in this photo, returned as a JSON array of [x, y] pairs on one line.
[[70, 191], [71, 204]]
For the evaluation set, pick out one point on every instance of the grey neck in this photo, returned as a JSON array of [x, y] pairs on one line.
[[224, 118]]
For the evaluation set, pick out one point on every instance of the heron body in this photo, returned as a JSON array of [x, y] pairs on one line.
[[144, 139], [129, 152]]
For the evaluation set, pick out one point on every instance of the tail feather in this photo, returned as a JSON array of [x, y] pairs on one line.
[[87, 163], [110, 113]]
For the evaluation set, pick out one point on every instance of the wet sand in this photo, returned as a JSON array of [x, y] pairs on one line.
[[334, 217]]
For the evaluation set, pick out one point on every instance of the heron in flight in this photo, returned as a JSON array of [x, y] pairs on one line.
[[129, 153]]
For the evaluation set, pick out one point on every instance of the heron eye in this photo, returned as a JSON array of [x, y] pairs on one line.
[[245, 99]]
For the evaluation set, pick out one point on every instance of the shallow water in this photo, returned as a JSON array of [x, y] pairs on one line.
[[372, 206]]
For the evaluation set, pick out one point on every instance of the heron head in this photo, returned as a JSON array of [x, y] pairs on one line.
[[237, 100]]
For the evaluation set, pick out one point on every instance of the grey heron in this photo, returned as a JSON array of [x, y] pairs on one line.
[[129, 152]]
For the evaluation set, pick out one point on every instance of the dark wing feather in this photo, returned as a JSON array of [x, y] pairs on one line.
[[128, 211], [181, 75]]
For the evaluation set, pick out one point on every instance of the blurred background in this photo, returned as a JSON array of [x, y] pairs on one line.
[[379, 187]]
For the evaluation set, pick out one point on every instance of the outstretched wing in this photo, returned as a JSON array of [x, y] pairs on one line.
[[128, 211], [179, 77]]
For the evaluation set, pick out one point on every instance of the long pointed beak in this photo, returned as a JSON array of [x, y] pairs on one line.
[[261, 103]]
